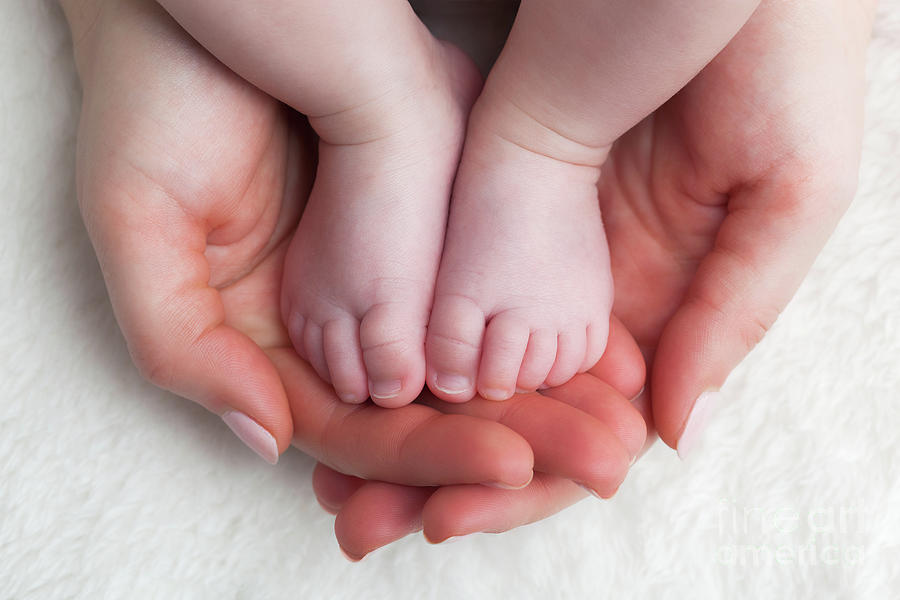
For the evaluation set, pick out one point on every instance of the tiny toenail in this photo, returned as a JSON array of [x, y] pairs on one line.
[[452, 384], [496, 394], [382, 390], [349, 398]]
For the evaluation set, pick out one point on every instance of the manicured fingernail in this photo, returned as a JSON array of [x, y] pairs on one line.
[[590, 491], [253, 435], [351, 557], [383, 390], [496, 395], [452, 384], [696, 422]]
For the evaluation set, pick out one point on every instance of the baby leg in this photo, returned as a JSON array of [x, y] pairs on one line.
[[389, 103], [524, 290]]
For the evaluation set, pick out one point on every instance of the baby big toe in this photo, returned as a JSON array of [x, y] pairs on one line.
[[391, 338], [505, 341], [340, 342], [453, 347], [570, 347]]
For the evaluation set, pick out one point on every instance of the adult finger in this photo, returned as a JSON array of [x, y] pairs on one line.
[[377, 514], [765, 246], [149, 245], [413, 444], [151, 255], [591, 395], [462, 509], [566, 441], [457, 510], [371, 514], [333, 488], [622, 366]]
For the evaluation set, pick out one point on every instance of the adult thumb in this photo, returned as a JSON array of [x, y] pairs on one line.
[[175, 324], [765, 246]]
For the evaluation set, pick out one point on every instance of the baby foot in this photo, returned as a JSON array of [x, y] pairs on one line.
[[360, 271], [524, 289]]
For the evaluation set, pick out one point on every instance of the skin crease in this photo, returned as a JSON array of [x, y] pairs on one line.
[[717, 204], [800, 176], [190, 182]]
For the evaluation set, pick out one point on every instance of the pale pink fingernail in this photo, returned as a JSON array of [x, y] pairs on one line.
[[696, 422], [253, 435], [590, 491]]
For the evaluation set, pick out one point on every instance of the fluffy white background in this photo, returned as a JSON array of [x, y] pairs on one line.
[[110, 488]]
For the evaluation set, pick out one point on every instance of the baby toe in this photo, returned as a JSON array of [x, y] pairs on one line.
[[312, 348], [453, 347], [540, 355], [343, 355], [570, 348], [295, 324], [505, 341], [596, 334], [392, 339]]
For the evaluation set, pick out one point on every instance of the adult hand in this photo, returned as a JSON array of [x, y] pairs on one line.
[[715, 207], [190, 182]]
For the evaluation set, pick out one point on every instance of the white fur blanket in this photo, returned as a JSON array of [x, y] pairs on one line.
[[110, 488]]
